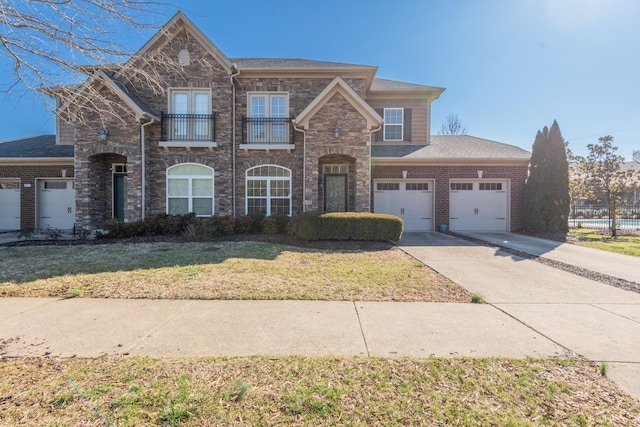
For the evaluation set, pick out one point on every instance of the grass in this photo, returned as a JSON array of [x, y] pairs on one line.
[[310, 391], [220, 270], [477, 298], [625, 244]]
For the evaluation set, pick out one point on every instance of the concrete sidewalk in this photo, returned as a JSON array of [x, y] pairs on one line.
[[86, 327]]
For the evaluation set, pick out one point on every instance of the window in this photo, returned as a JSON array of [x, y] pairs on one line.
[[496, 186], [417, 186], [190, 189], [336, 169], [269, 190], [268, 117], [393, 119], [55, 185], [190, 109], [388, 186], [9, 185], [461, 186]]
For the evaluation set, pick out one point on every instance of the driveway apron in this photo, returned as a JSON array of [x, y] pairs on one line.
[[592, 319]]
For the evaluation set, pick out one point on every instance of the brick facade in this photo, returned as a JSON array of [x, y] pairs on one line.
[[28, 174], [310, 152], [516, 175]]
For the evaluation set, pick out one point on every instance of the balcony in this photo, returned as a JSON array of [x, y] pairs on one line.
[[267, 133], [188, 131]]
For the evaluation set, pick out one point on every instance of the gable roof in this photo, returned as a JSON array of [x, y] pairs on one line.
[[452, 148], [338, 85], [128, 96], [168, 31], [40, 146]]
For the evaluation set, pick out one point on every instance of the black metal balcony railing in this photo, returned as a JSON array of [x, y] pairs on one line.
[[188, 127], [267, 130]]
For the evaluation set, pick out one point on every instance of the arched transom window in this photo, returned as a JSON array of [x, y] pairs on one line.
[[190, 189], [269, 190]]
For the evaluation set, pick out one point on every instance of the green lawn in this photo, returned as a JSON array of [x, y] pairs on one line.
[[627, 245], [294, 391], [220, 270]]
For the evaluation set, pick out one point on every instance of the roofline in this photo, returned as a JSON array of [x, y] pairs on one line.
[[448, 161], [338, 85], [164, 31], [111, 83], [430, 92], [364, 72], [26, 137]]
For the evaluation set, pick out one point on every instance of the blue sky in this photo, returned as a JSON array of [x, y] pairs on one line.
[[510, 67]]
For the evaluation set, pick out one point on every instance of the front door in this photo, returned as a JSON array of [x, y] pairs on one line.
[[335, 193], [119, 190]]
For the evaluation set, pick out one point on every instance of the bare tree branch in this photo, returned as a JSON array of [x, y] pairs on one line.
[[452, 125], [43, 42]]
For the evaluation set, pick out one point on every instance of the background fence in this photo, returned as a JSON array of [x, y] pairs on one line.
[[597, 216]]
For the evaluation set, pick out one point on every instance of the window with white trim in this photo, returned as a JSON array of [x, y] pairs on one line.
[[190, 189], [268, 190], [268, 117], [461, 186], [188, 104], [393, 124]]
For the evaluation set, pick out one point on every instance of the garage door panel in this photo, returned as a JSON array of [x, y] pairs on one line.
[[56, 204], [478, 206], [412, 201], [9, 205]]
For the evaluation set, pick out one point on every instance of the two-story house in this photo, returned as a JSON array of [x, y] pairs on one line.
[[228, 136]]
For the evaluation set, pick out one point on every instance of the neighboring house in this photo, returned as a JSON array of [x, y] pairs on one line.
[[36, 184], [232, 136]]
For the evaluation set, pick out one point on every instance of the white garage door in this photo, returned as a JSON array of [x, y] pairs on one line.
[[412, 201], [10, 204], [56, 204], [478, 205]]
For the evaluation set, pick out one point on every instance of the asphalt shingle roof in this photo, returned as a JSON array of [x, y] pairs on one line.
[[461, 147], [35, 146], [384, 84], [248, 63]]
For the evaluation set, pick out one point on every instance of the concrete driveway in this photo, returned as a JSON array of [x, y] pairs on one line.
[[594, 320]]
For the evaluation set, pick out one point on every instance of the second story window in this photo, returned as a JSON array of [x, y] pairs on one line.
[[393, 124], [190, 111], [268, 118]]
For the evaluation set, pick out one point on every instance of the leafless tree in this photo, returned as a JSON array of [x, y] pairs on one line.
[[636, 156], [46, 45], [452, 125]]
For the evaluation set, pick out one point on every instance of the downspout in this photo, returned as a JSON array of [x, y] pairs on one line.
[[371, 132], [233, 138], [304, 166], [143, 174]]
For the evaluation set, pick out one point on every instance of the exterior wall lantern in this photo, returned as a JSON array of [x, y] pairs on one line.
[[336, 131], [104, 133]]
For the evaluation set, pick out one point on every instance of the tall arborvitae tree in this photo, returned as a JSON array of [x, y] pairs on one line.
[[546, 193]]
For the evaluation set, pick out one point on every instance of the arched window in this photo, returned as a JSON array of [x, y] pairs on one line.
[[269, 190], [190, 189]]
